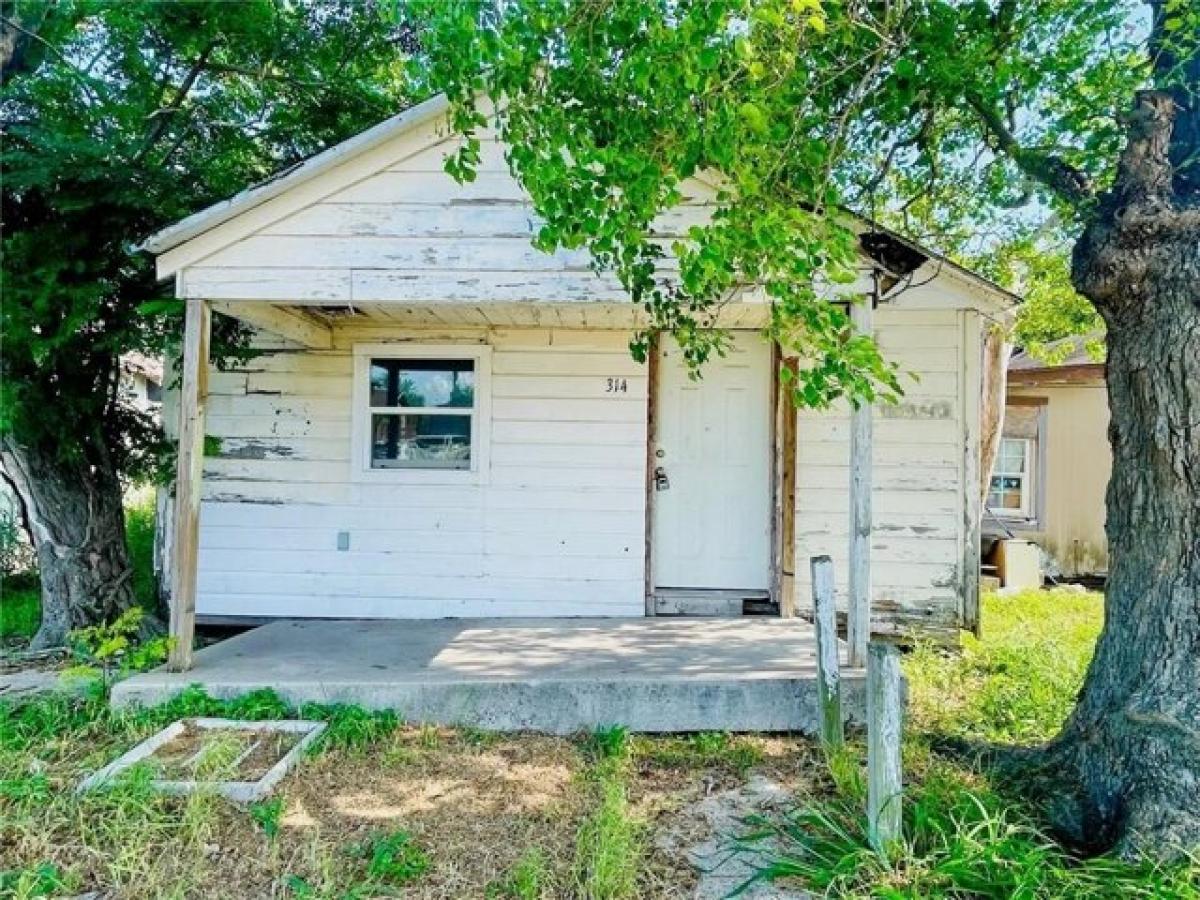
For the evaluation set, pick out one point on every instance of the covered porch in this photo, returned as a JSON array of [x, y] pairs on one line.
[[550, 675]]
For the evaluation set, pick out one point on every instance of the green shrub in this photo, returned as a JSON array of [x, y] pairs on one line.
[[116, 648]]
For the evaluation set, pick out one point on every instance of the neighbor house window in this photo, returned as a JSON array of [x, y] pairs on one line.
[[419, 409], [1011, 492]]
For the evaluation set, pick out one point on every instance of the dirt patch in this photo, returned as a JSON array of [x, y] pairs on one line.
[[226, 754], [694, 804], [475, 807]]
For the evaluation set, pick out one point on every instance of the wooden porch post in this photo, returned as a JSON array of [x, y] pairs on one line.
[[785, 489], [185, 526], [858, 621]]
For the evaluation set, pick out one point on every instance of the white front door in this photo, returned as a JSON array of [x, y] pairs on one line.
[[712, 520]]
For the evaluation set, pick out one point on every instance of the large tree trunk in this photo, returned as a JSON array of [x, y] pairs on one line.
[[77, 525], [1133, 741]]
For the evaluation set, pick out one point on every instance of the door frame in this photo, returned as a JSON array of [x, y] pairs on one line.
[[781, 447]]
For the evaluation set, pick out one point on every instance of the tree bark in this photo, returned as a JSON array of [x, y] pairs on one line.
[[1133, 741], [77, 525]]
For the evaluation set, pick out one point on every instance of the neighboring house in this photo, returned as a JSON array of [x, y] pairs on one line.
[[1054, 461], [447, 422], [141, 381]]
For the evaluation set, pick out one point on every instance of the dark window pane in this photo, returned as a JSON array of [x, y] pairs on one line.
[[420, 442], [423, 382]]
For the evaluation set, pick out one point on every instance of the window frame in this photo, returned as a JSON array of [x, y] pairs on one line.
[[480, 413], [1028, 509]]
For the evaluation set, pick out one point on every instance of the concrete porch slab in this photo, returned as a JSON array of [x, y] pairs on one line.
[[551, 675]]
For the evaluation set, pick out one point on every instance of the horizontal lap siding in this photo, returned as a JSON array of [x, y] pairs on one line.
[[917, 495], [556, 529], [411, 234]]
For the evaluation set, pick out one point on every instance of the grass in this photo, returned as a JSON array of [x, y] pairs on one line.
[[610, 842], [382, 808], [963, 835], [1018, 682], [20, 606]]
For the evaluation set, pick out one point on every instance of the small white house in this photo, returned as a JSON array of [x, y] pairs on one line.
[[447, 422]]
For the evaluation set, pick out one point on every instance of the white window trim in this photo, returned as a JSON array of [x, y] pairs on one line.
[[481, 423], [1027, 512]]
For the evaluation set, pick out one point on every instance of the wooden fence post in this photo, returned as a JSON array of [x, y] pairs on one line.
[[884, 724], [858, 612], [829, 677]]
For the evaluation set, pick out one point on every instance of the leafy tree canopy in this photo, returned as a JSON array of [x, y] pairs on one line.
[[984, 129], [121, 117]]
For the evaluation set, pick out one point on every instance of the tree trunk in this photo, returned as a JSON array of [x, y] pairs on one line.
[[77, 525], [1133, 741]]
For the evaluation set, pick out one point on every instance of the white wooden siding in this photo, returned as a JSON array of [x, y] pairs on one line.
[[556, 530], [410, 234], [918, 500]]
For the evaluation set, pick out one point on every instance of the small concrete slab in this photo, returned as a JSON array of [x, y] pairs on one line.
[[556, 676], [238, 791]]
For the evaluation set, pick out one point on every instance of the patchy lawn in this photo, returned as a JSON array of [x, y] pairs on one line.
[[384, 809], [379, 807]]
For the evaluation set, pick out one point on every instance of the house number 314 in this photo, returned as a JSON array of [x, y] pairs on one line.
[[616, 386]]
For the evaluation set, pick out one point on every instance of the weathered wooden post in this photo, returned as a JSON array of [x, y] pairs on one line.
[[884, 728], [829, 676], [858, 611], [189, 467]]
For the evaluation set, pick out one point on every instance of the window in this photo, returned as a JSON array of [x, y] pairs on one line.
[[1011, 490], [417, 411]]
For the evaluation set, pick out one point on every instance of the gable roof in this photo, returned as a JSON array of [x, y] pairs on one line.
[[219, 213], [894, 252]]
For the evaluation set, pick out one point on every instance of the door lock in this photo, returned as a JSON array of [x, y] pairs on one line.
[[661, 481]]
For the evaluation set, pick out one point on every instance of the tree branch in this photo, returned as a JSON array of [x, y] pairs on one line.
[[162, 117], [1068, 182], [15, 41]]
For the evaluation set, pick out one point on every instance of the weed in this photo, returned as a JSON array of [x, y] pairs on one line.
[[45, 880], [351, 727], [266, 815], [608, 742], [529, 878], [113, 648], [393, 859], [846, 769], [609, 845]]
